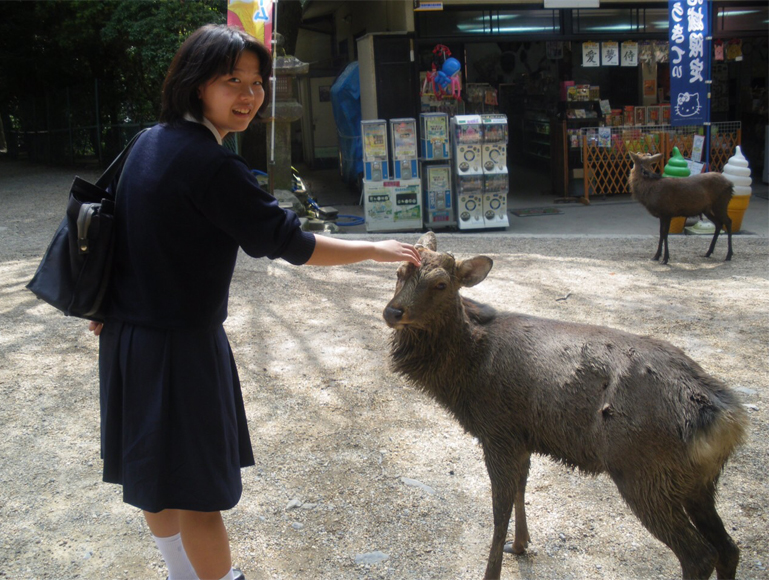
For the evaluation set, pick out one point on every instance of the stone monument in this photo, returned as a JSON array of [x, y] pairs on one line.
[[286, 110]]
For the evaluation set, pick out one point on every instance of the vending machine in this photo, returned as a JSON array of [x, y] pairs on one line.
[[467, 135], [435, 155], [390, 203], [407, 204], [439, 197], [375, 155], [403, 138], [393, 205], [494, 155], [495, 200], [470, 202], [467, 175], [495, 174], [434, 136]]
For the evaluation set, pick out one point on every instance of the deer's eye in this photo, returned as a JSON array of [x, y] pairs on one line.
[[440, 286]]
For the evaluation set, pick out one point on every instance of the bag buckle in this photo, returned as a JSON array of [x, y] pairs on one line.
[[87, 211]]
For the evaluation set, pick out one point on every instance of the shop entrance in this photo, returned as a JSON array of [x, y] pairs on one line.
[[524, 77], [528, 82]]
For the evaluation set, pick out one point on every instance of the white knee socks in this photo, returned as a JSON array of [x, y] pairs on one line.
[[172, 550]]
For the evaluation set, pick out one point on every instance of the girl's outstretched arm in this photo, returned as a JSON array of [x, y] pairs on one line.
[[336, 252]]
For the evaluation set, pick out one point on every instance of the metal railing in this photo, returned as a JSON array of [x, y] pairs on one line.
[[70, 126]]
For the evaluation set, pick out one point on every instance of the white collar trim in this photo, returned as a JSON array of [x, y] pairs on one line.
[[207, 123]]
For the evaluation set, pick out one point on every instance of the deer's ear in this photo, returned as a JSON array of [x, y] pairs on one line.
[[429, 241], [633, 156], [473, 271]]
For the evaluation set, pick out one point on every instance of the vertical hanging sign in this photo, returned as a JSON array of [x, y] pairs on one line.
[[591, 55], [689, 32], [252, 16], [610, 53], [629, 53]]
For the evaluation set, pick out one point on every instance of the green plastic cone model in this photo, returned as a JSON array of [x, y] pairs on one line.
[[677, 166]]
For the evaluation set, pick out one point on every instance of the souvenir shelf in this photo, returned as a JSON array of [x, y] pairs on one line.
[[537, 135], [567, 151]]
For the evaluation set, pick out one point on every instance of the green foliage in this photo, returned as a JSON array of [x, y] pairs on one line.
[[147, 34], [124, 45]]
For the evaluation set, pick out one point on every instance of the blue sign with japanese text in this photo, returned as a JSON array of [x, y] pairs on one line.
[[689, 58]]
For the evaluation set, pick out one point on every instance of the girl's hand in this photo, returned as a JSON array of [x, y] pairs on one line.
[[95, 327], [336, 252], [395, 251]]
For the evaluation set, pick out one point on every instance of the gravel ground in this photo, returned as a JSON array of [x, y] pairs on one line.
[[350, 460]]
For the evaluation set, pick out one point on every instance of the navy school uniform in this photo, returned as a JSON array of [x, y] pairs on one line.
[[173, 423]]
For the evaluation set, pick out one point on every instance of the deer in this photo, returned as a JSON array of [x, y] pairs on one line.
[[590, 397], [667, 197]]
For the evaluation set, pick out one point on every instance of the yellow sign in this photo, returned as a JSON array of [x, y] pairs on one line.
[[252, 16]]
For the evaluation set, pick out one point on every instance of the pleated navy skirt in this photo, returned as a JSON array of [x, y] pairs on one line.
[[173, 425]]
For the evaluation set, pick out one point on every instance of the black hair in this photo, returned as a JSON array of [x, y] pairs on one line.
[[211, 51]]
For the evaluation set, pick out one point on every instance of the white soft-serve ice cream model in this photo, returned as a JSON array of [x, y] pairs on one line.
[[737, 171]]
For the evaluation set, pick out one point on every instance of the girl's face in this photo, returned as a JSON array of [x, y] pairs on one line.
[[231, 101]]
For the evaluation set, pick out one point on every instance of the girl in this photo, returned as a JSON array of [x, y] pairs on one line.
[[174, 431]]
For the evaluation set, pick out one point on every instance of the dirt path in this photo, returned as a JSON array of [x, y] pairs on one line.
[[335, 430]]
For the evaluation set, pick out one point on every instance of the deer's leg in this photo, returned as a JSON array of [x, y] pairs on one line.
[[718, 223], [664, 231], [663, 515], [702, 511], [521, 540], [505, 473], [728, 226]]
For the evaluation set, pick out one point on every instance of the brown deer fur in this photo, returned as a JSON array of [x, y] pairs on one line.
[[669, 197], [591, 397]]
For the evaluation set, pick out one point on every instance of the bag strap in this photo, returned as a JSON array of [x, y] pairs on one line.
[[117, 165]]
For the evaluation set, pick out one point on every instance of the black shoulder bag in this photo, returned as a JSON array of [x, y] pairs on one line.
[[74, 273]]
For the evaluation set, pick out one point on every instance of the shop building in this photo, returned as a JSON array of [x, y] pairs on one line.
[[533, 64]]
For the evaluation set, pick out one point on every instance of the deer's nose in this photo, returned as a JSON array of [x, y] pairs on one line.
[[392, 315]]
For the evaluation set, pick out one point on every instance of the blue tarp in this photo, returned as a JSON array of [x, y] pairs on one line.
[[345, 101]]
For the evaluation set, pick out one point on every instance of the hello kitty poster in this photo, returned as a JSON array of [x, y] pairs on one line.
[[688, 105], [689, 58]]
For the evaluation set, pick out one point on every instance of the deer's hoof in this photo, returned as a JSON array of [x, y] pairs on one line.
[[514, 548]]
